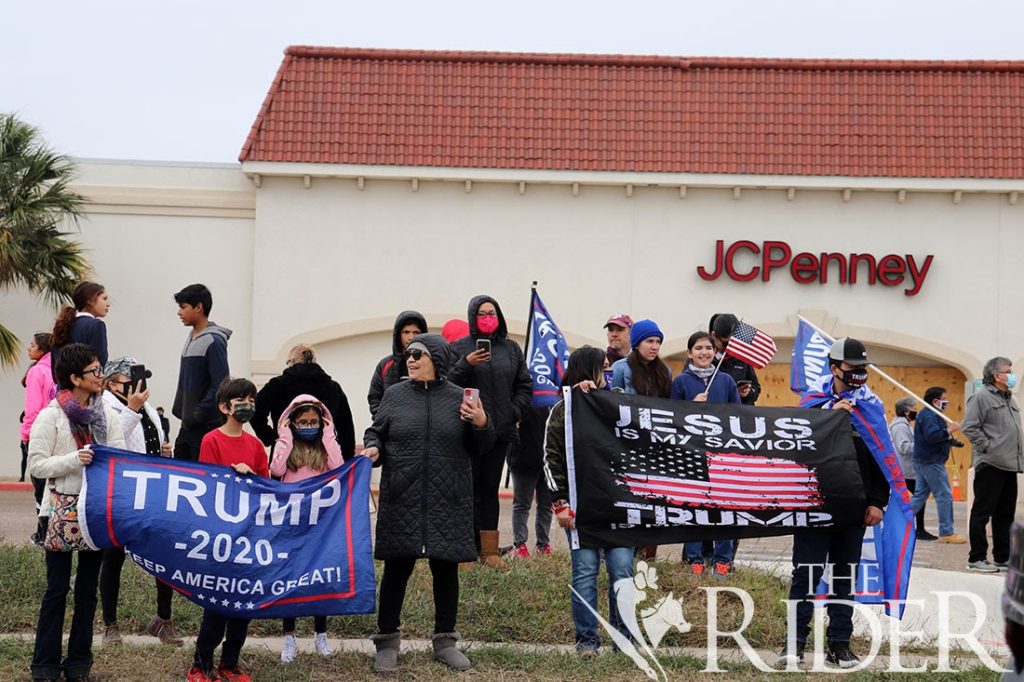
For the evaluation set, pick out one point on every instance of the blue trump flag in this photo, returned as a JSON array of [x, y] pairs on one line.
[[547, 355], [884, 572], [810, 358], [243, 546]]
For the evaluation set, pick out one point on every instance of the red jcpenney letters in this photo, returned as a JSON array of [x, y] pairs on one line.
[[805, 268]]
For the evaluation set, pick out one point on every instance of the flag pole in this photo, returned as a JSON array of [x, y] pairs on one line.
[[526, 352], [879, 372]]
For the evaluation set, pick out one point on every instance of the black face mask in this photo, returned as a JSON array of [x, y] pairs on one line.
[[912, 415], [854, 378]]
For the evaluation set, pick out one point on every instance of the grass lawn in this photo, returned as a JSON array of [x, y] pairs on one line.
[[530, 604]]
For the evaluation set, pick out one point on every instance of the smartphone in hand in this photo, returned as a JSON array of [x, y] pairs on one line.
[[138, 373], [471, 396], [484, 345]]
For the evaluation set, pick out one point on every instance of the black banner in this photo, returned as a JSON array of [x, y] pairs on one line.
[[656, 471]]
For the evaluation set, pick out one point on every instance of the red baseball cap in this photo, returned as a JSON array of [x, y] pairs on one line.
[[620, 319]]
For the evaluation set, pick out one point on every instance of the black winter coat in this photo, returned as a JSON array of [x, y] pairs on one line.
[[506, 388], [391, 368], [528, 454], [426, 483], [741, 371], [306, 377]]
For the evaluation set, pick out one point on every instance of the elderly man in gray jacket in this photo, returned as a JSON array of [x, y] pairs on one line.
[[992, 424]]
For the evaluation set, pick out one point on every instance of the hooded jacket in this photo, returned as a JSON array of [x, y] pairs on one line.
[[688, 385], [285, 441], [391, 368], [506, 388], [528, 453], [426, 482], [39, 391], [204, 365], [309, 378], [131, 423]]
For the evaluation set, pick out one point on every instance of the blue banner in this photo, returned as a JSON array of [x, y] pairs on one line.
[[884, 572], [810, 358], [244, 546], [548, 355]]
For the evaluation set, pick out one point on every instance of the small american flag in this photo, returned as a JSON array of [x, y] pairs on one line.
[[751, 345], [691, 477]]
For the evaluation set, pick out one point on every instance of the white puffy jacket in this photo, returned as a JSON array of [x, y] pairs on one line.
[[53, 453], [131, 423]]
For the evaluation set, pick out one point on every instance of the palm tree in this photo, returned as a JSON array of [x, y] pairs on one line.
[[35, 204]]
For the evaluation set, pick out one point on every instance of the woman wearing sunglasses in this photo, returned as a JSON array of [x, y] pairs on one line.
[[58, 450], [422, 437]]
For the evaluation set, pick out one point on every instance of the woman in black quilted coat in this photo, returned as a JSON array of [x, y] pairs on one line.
[[423, 436]]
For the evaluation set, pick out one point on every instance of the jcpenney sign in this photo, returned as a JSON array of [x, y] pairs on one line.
[[806, 268]]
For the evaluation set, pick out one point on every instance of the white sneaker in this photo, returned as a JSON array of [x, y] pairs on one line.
[[289, 649], [322, 647], [982, 566]]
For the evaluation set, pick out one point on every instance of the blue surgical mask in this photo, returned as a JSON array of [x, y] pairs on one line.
[[308, 434], [1011, 380]]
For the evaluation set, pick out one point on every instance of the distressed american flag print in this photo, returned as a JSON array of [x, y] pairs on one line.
[[692, 477]]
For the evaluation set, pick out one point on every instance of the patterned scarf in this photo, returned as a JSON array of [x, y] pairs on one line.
[[702, 372], [88, 424]]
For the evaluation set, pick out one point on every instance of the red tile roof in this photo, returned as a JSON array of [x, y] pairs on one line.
[[647, 114]]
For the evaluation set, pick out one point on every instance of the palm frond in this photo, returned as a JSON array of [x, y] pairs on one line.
[[10, 347], [36, 205]]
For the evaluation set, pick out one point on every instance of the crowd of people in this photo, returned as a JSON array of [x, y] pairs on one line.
[[464, 398]]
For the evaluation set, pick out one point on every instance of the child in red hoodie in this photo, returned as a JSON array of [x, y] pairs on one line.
[[230, 446]]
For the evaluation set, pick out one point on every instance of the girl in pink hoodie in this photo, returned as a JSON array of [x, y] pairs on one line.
[[39, 391], [306, 446]]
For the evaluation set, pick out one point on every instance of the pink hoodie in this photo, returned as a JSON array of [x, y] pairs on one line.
[[38, 393], [283, 446]]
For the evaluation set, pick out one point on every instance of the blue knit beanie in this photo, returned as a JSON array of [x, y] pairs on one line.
[[644, 329]]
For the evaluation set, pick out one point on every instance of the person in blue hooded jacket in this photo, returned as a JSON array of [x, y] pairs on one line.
[[699, 382]]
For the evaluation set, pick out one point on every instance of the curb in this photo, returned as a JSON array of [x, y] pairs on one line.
[[365, 646]]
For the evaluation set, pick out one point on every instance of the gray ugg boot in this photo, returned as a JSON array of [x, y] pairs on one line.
[[386, 660], [445, 651]]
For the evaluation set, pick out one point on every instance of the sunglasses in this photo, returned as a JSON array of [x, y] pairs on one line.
[[416, 354]]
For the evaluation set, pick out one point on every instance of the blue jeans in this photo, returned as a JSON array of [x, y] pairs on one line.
[[932, 478], [724, 551], [586, 563]]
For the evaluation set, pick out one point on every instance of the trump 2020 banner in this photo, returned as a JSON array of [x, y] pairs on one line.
[[810, 358], [244, 546], [655, 471]]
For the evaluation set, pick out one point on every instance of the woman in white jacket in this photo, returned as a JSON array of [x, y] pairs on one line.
[[58, 450], [142, 434]]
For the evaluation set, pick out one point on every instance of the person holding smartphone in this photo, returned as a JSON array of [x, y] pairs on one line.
[[424, 437], [128, 396], [493, 363], [720, 328]]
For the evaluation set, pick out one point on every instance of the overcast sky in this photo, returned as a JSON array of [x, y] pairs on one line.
[[183, 80]]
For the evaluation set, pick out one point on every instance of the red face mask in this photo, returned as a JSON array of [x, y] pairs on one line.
[[487, 325]]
